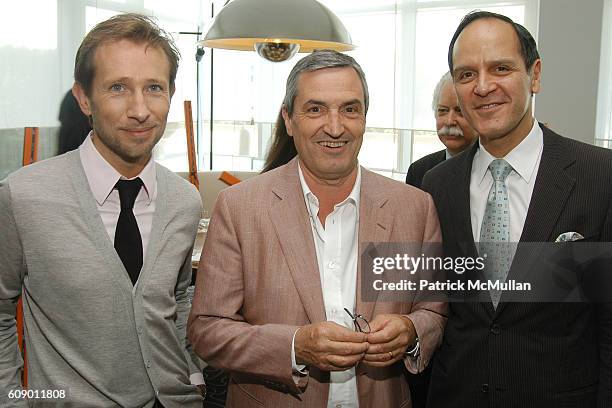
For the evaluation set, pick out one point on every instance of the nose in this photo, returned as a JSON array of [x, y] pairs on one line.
[[451, 118], [334, 125], [485, 84], [138, 108]]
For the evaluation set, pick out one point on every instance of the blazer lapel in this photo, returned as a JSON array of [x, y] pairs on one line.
[[459, 197], [550, 193], [551, 190], [290, 219], [375, 224]]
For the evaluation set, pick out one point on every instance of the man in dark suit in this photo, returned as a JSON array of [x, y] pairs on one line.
[[499, 353], [453, 130]]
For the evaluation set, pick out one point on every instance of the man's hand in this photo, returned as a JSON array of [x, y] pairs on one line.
[[329, 346], [389, 337]]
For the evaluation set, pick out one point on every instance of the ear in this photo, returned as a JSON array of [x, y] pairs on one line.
[[536, 74], [287, 120], [82, 99]]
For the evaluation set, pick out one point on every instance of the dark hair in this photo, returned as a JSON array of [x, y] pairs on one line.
[[130, 26], [74, 125], [529, 48], [282, 149]]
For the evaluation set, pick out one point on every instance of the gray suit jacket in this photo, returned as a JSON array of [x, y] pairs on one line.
[[88, 331]]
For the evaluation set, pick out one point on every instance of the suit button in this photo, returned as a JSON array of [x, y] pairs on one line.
[[495, 329], [485, 388]]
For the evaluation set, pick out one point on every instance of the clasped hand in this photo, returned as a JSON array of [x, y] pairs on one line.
[[332, 347]]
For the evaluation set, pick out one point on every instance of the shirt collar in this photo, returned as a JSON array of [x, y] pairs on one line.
[[522, 158], [312, 199], [102, 177]]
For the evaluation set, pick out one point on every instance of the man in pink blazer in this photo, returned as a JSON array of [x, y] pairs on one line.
[[280, 279]]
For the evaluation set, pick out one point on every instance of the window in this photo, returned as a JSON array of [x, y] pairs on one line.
[[402, 47], [401, 44], [604, 104]]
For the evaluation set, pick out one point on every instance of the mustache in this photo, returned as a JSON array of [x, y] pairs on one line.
[[450, 131]]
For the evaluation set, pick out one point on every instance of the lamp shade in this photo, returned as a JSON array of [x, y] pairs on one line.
[[242, 24]]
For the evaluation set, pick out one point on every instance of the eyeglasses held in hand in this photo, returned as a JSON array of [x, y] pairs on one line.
[[360, 322]]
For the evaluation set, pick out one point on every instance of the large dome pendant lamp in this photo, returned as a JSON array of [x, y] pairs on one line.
[[277, 29]]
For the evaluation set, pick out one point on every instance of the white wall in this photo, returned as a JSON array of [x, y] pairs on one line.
[[603, 130], [569, 41]]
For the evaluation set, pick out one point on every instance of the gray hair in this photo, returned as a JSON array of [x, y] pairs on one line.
[[438, 90], [321, 59]]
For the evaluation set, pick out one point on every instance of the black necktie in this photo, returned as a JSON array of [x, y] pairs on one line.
[[128, 241]]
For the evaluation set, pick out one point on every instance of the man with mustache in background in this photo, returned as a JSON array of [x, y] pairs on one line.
[[453, 130]]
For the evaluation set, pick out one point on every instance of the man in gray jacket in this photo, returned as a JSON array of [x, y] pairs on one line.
[[98, 243]]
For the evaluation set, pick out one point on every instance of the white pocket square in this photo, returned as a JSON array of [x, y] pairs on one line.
[[569, 236]]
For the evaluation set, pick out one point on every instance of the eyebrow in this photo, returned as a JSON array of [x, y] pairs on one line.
[[502, 61], [352, 102], [316, 102], [128, 79]]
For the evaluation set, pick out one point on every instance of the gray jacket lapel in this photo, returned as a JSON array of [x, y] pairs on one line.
[[89, 210], [161, 219]]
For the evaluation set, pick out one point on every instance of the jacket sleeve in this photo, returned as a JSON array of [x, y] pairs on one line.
[[604, 397], [183, 305], [428, 317], [217, 328]]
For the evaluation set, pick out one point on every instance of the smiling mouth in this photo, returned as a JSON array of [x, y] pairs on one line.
[[139, 130], [333, 145], [489, 106]]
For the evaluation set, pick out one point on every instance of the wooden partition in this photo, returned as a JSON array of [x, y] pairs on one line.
[[30, 155], [191, 151]]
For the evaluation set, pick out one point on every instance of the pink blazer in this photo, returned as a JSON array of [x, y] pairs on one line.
[[258, 282]]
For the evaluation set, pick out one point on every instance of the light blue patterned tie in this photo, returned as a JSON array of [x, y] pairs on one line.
[[495, 229]]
